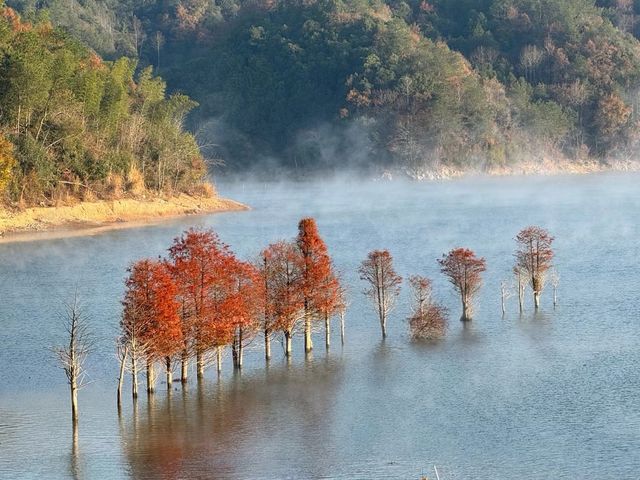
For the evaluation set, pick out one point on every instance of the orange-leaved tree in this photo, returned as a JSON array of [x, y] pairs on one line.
[[383, 284], [315, 273], [463, 269], [199, 265], [243, 307], [534, 257], [284, 298], [150, 323]]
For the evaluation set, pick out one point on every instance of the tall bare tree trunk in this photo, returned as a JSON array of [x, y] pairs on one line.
[[184, 367], [151, 376], [327, 331], [168, 372], [123, 361], [555, 296], [74, 401], [342, 326], [536, 299]]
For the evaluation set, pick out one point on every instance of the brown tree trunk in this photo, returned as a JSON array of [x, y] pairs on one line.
[[168, 372], [536, 299]]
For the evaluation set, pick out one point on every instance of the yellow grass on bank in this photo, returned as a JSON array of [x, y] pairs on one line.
[[106, 214]]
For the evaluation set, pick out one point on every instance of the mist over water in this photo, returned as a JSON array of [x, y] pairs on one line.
[[552, 394]]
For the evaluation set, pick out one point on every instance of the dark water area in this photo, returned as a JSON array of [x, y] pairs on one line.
[[547, 394]]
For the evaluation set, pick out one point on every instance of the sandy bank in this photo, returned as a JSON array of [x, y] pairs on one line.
[[90, 217]]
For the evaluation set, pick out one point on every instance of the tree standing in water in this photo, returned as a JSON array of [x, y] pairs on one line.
[[383, 284], [316, 274], [463, 269], [428, 319], [284, 300], [73, 355], [534, 257]]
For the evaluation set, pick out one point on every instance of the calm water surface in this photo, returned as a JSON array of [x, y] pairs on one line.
[[553, 394]]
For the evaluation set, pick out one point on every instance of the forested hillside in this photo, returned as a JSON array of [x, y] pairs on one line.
[[415, 84], [75, 126]]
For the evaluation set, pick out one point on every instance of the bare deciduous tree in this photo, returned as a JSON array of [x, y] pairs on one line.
[[384, 284], [533, 257], [73, 355]]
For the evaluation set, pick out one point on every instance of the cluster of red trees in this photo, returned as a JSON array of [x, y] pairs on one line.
[[202, 298]]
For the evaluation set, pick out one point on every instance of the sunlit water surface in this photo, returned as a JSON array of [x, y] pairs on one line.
[[553, 394]]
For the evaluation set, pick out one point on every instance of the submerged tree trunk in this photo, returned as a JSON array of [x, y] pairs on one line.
[[184, 367], [466, 310], [74, 401], [536, 299], [219, 360], [168, 372], [383, 325], [555, 297], [151, 377], [199, 364], [237, 350], [123, 362], [134, 378], [267, 344], [287, 344], [327, 331], [308, 343], [342, 327]]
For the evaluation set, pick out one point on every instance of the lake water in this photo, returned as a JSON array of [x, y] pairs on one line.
[[552, 394]]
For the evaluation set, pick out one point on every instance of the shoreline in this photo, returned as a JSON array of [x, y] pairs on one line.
[[89, 218]]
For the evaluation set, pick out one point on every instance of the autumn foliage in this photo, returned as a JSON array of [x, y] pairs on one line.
[[534, 257], [202, 298], [428, 320], [464, 270]]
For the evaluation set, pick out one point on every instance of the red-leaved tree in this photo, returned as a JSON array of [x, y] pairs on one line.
[[284, 298], [200, 265], [150, 325], [316, 274], [464, 270]]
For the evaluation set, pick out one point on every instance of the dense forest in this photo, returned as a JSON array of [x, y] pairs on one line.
[[75, 126], [414, 84]]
